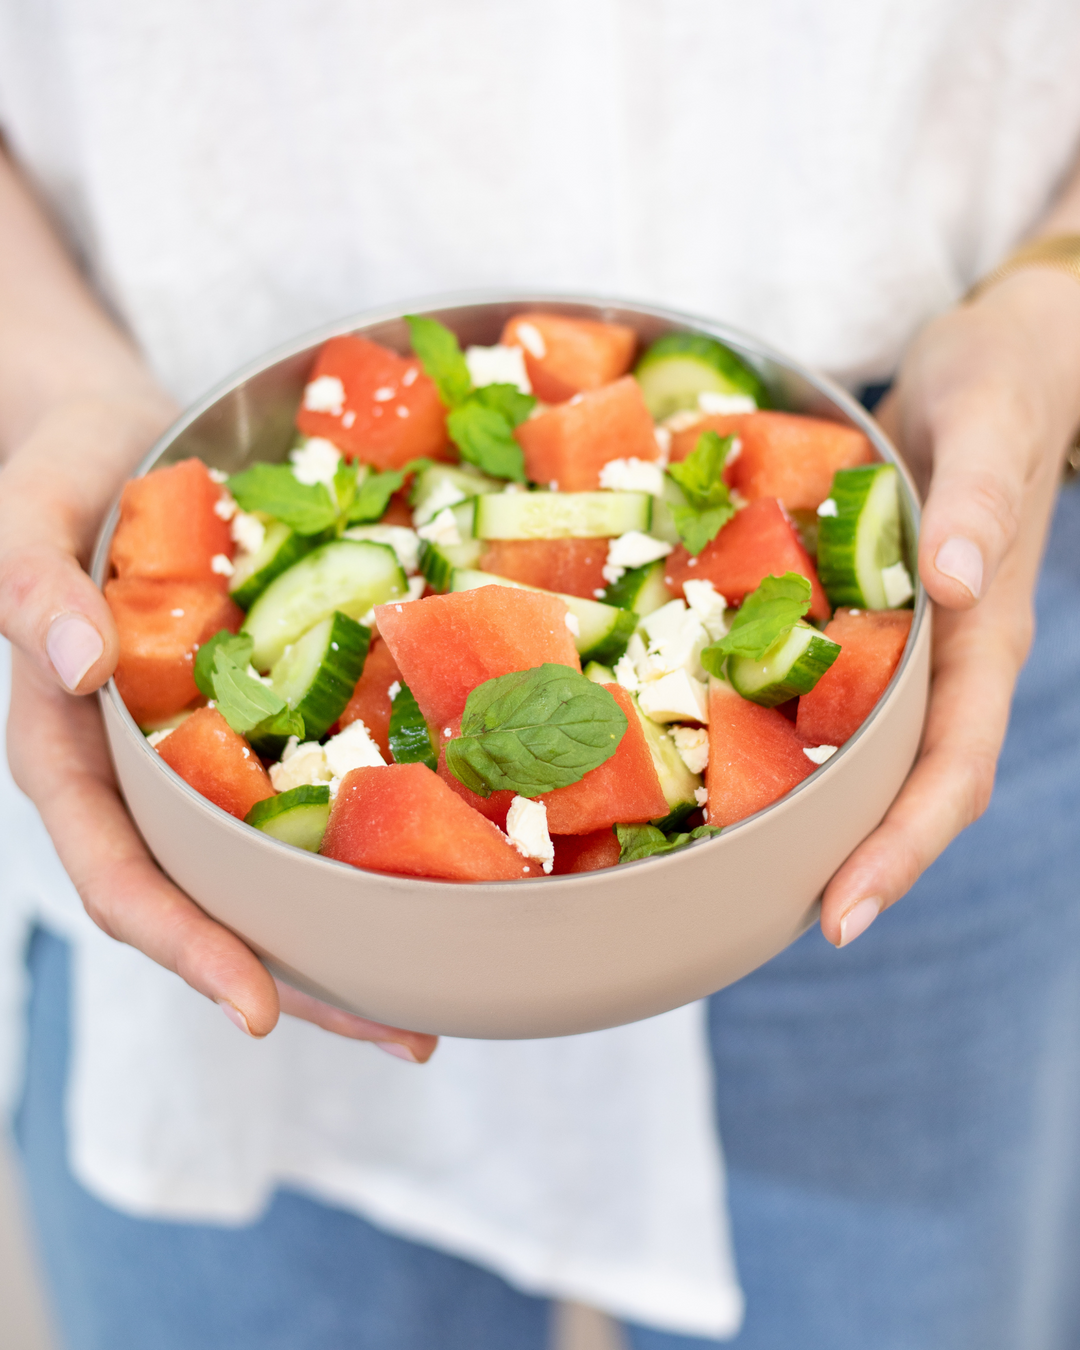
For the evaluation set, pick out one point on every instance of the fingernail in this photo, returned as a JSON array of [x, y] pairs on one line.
[[960, 559], [398, 1050], [235, 1016], [858, 919], [73, 645]]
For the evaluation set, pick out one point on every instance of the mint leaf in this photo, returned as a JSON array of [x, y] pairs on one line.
[[238, 645], [247, 703], [708, 506], [767, 614], [440, 355], [346, 485], [646, 841], [273, 488], [535, 730], [410, 740], [506, 399], [373, 495], [485, 438]]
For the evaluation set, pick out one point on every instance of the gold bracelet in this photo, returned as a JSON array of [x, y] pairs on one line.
[[1059, 251]]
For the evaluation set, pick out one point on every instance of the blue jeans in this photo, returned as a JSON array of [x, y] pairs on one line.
[[901, 1122]]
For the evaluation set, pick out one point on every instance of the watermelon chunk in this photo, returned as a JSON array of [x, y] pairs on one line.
[[206, 752], [624, 788], [404, 819], [168, 529], [871, 644], [585, 852], [568, 445], [445, 645], [375, 405], [784, 455], [565, 356], [755, 756], [370, 702], [758, 541], [569, 566], [161, 625]]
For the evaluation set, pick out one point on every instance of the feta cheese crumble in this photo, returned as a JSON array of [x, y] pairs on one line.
[[248, 532], [404, 542], [682, 420], [626, 674], [326, 395], [216, 476], [571, 621], [446, 493], [225, 507], [415, 588], [692, 744], [701, 795], [177, 613], [351, 749], [498, 365], [442, 529], [897, 582], [383, 395], [156, 737], [675, 637], [526, 828], [662, 436], [301, 766], [222, 565], [394, 690], [712, 402], [632, 549], [708, 605], [677, 697], [828, 508], [818, 754], [315, 461], [532, 340], [633, 475]]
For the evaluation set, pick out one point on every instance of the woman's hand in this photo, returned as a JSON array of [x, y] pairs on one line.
[[986, 403], [54, 491]]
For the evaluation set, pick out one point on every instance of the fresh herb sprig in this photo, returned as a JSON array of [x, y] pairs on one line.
[[646, 841], [708, 506], [481, 421], [250, 707], [766, 615]]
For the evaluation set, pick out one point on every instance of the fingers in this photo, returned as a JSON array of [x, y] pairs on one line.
[[413, 1046]]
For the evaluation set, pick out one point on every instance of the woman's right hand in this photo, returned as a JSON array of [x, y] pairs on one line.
[[55, 489]]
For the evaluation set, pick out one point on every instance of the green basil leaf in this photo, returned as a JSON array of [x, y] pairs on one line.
[[273, 488], [506, 399], [646, 841], [767, 614], [535, 730], [440, 355], [238, 645], [486, 439], [410, 740], [373, 496]]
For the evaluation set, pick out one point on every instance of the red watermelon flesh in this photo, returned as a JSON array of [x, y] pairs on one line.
[[755, 756], [370, 702], [375, 405], [569, 566], [585, 852], [783, 455], [758, 541], [624, 788], [404, 819], [568, 445], [564, 356], [161, 625], [871, 644], [206, 752], [445, 645], [168, 528]]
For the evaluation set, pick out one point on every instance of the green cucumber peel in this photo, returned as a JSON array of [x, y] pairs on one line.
[[766, 615], [708, 505], [647, 841], [410, 740], [533, 731], [248, 705]]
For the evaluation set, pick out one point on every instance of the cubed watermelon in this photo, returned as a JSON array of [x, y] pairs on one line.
[[375, 405], [206, 752], [757, 542], [168, 528], [161, 625], [568, 445], [370, 702], [569, 566], [585, 852], [565, 356], [404, 819], [755, 756], [871, 644], [445, 645]]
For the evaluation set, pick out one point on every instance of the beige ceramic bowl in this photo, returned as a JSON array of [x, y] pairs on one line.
[[536, 958]]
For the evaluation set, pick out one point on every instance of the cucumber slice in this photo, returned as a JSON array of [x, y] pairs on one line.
[[602, 630], [349, 575], [410, 740], [255, 571], [317, 675], [599, 674], [442, 485], [561, 515], [863, 538], [439, 561], [641, 589], [677, 783], [663, 522], [790, 667], [680, 366], [295, 817]]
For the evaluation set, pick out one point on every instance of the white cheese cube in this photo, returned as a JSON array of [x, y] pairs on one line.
[[633, 475], [326, 394], [708, 605], [498, 365], [526, 828], [316, 461], [677, 697], [692, 744], [301, 766], [818, 754], [350, 749]]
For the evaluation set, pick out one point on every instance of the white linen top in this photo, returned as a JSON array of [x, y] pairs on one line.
[[824, 173]]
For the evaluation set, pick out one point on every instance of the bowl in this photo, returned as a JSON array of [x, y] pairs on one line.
[[545, 957]]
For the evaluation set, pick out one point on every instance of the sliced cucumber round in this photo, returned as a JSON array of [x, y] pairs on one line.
[[439, 561], [641, 589], [253, 572], [317, 674], [680, 366], [296, 817], [350, 575], [410, 739], [599, 674], [860, 536], [790, 667], [561, 515]]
